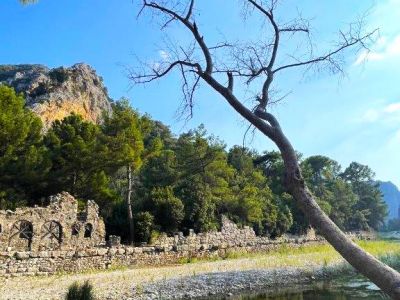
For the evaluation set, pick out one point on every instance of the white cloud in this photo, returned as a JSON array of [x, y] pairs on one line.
[[384, 49], [388, 113], [385, 14], [155, 66], [368, 56], [371, 115], [381, 42], [164, 55], [393, 48], [159, 63], [392, 108]]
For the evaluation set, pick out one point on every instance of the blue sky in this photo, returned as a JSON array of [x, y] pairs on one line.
[[355, 118]]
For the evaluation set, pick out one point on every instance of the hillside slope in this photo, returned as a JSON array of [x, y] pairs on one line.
[[55, 93]]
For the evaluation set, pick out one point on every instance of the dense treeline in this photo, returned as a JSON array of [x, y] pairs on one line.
[[147, 180]]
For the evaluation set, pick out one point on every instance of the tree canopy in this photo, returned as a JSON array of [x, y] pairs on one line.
[[179, 182]]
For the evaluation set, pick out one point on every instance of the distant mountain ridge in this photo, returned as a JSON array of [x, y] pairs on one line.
[[55, 93], [391, 195]]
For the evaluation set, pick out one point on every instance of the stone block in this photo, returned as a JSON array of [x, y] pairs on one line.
[[101, 251], [21, 255], [137, 250], [46, 269], [112, 251], [121, 251]]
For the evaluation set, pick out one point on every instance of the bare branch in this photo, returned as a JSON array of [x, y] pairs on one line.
[[269, 15], [230, 81], [189, 14], [167, 23], [191, 26], [251, 61], [221, 45], [189, 88], [158, 73], [267, 83], [348, 42], [295, 29]]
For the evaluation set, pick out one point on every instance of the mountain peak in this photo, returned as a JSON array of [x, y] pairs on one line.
[[55, 93]]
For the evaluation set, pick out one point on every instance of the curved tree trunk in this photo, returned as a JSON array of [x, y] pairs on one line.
[[383, 276]]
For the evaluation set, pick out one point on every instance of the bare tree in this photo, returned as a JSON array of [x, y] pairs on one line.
[[258, 64]]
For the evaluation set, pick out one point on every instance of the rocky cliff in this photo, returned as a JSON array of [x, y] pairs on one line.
[[391, 195], [55, 93]]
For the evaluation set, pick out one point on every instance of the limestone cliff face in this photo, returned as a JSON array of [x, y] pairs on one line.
[[391, 195], [55, 93]]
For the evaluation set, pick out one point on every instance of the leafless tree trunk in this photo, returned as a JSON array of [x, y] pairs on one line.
[[129, 206], [252, 63]]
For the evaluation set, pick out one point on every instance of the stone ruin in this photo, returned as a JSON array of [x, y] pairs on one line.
[[229, 236], [58, 226], [58, 238]]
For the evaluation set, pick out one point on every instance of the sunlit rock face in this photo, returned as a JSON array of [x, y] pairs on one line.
[[55, 93]]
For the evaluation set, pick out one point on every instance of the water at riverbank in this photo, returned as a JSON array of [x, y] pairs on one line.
[[343, 289]]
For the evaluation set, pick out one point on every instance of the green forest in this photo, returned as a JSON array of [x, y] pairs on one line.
[[170, 183]]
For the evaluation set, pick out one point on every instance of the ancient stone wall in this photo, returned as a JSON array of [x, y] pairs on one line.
[[56, 227], [166, 250], [76, 253], [230, 236], [53, 262]]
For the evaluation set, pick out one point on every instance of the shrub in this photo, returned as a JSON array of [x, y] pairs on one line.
[[59, 75], [144, 223], [168, 209], [80, 292]]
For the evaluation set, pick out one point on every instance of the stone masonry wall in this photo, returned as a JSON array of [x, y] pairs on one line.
[[166, 250], [56, 227]]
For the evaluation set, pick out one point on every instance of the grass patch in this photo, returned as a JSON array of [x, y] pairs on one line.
[[109, 269], [306, 255]]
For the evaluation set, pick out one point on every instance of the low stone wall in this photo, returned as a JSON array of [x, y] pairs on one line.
[[52, 262], [164, 251]]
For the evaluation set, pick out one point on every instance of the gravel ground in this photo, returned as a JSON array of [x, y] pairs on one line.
[[224, 284], [173, 282]]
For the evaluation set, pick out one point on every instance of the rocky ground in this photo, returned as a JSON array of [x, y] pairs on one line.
[[224, 284], [156, 283], [185, 281]]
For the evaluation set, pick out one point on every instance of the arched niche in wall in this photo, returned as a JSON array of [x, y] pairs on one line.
[[88, 230], [51, 235], [21, 235], [75, 229]]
